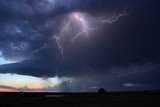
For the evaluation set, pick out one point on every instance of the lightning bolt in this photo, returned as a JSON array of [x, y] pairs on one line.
[[80, 18], [57, 39], [81, 21], [116, 16]]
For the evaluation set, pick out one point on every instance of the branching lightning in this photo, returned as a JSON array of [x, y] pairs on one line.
[[81, 21], [57, 39], [116, 16], [80, 18], [85, 29]]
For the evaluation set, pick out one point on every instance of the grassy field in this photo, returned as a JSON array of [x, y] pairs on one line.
[[113, 99]]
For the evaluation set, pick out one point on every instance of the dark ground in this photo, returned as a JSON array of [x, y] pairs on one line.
[[112, 99]]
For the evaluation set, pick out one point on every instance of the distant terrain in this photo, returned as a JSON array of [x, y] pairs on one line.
[[110, 99]]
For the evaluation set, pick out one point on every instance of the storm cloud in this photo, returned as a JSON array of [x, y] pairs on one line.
[[126, 48]]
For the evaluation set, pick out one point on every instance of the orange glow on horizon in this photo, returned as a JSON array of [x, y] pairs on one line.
[[31, 86], [12, 90], [7, 90]]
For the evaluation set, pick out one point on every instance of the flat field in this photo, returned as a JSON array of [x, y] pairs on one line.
[[111, 99]]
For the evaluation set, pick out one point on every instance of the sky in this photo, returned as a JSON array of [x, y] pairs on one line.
[[79, 45]]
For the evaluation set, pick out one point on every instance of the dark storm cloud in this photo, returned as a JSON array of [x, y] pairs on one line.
[[28, 26]]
